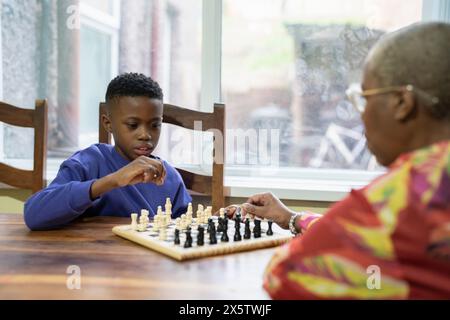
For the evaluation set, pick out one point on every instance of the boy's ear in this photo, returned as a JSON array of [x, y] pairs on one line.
[[106, 122]]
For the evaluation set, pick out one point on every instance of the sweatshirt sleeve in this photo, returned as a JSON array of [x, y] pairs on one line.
[[65, 199]]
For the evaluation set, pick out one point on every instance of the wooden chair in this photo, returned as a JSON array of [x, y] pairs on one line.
[[196, 183], [37, 119]]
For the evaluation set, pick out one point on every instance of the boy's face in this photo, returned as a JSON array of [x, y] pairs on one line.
[[135, 123]]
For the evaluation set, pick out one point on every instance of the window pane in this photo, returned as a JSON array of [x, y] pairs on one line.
[[165, 43], [288, 70], [95, 61], [103, 5]]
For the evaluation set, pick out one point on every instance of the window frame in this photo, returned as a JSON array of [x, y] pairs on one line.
[[105, 23], [305, 183]]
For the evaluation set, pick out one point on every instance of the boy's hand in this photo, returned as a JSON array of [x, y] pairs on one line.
[[141, 170]]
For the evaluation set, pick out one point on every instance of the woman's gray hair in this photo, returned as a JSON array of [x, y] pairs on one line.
[[417, 55]]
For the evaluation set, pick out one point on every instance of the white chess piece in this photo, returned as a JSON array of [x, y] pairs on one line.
[[178, 223], [142, 226], [183, 221], [134, 224], [199, 217], [168, 205], [208, 213], [145, 213], [156, 222], [162, 234]]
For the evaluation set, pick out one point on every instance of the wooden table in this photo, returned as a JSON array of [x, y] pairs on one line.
[[33, 265]]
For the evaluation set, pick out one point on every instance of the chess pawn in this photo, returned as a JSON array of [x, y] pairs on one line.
[[212, 237], [188, 242], [142, 227], [189, 209], [168, 220], [205, 217], [145, 213], [208, 212], [220, 227], [257, 229], [162, 234], [200, 236], [224, 237], [142, 220], [200, 216], [222, 213], [134, 224], [163, 220], [269, 231], [168, 206], [189, 216], [156, 223], [168, 213], [237, 234], [176, 241], [178, 223], [183, 221], [247, 231]]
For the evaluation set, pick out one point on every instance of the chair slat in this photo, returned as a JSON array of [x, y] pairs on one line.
[[37, 119]]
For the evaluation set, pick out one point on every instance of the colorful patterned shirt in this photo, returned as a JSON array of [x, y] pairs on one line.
[[389, 240]]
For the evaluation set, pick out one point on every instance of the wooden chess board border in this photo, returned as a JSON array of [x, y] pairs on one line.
[[181, 254]]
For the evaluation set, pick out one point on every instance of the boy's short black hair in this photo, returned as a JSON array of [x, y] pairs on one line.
[[133, 85]]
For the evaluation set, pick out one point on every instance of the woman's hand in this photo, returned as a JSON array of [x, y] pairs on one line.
[[266, 205]]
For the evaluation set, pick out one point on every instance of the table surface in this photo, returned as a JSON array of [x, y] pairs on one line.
[[34, 265]]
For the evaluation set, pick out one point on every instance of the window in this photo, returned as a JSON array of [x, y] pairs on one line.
[[281, 67], [99, 36], [288, 70]]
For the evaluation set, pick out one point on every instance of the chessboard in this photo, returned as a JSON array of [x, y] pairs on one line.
[[203, 236]]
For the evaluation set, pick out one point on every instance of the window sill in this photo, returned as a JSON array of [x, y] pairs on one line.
[[285, 183], [290, 189]]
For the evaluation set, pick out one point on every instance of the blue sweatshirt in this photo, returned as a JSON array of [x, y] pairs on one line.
[[68, 196]]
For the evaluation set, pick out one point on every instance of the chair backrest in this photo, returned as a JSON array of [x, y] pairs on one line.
[[196, 183], [37, 119]]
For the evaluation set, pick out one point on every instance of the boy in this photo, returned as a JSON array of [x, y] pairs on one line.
[[105, 180]]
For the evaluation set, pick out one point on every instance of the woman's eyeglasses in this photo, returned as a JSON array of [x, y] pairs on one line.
[[357, 96]]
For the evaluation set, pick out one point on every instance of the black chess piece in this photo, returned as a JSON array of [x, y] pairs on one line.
[[237, 229], [188, 242], [247, 231], [177, 237], [201, 236], [210, 223], [257, 229], [269, 231], [224, 237], [213, 226], [225, 225], [220, 225], [212, 237]]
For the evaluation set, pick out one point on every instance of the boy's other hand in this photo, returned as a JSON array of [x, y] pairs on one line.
[[141, 170]]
